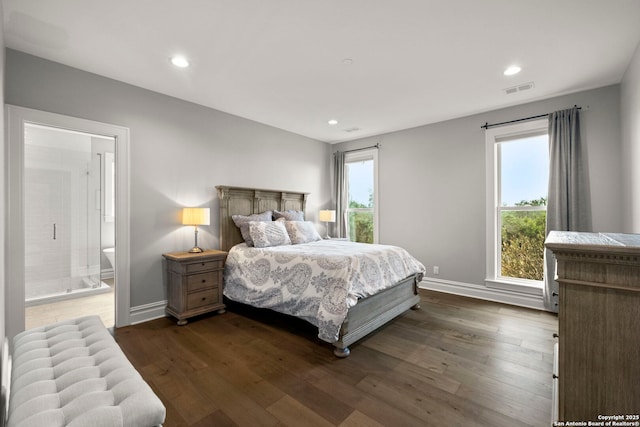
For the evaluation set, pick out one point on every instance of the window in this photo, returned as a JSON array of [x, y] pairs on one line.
[[360, 172], [517, 177]]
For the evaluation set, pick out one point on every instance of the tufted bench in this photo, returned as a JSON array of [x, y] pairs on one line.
[[73, 373]]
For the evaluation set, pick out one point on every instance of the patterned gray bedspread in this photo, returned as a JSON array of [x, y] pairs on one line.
[[317, 281]]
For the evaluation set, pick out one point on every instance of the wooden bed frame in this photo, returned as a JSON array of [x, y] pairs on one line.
[[369, 313]]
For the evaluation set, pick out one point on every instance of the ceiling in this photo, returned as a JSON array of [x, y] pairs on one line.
[[376, 66]]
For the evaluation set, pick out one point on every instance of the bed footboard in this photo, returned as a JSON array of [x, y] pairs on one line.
[[372, 312]]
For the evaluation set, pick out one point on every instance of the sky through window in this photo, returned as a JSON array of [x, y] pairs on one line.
[[524, 169]]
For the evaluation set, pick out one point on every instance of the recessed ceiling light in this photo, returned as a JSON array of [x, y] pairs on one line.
[[180, 61], [512, 70], [333, 122]]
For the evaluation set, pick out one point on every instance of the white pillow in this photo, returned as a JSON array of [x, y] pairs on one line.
[[265, 234], [302, 232]]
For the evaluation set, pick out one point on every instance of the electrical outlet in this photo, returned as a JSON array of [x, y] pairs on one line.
[[436, 270]]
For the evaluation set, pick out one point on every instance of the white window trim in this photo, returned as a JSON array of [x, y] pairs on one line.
[[368, 155], [492, 138]]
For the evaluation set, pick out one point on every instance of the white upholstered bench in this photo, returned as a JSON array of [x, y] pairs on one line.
[[73, 373]]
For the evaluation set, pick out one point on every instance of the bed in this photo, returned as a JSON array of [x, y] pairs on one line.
[[252, 273]]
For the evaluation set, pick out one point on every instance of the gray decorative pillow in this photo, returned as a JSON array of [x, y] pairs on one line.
[[302, 232], [242, 222], [265, 234], [289, 215]]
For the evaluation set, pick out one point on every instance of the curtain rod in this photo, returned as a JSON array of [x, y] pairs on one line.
[[363, 148], [487, 125]]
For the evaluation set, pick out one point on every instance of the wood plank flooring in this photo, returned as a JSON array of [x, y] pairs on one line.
[[456, 362]]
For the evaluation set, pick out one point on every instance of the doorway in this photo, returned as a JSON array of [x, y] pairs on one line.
[[68, 245], [66, 227]]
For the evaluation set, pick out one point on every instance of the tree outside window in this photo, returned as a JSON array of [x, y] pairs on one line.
[[361, 221], [522, 241]]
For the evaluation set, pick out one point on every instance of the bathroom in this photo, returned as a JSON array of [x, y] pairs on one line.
[[69, 219]]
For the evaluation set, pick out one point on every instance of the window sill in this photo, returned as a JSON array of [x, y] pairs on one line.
[[528, 287]]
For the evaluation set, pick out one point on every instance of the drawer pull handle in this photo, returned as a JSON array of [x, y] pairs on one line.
[[204, 280], [554, 294], [556, 335], [204, 298], [202, 264], [555, 376]]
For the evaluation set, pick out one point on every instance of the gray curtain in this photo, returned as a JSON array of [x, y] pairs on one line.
[[340, 193], [569, 204]]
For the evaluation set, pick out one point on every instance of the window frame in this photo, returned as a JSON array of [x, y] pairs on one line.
[[493, 138], [358, 156]]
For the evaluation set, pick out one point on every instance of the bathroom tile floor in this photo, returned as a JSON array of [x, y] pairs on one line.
[[101, 304]]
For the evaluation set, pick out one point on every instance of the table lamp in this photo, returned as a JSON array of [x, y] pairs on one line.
[[327, 216], [195, 217]]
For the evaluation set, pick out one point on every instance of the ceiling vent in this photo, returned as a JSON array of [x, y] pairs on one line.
[[519, 88], [352, 130]]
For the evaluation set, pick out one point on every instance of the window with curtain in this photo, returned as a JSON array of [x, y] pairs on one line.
[[517, 186], [360, 175]]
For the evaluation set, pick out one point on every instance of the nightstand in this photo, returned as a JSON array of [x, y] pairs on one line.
[[195, 282]]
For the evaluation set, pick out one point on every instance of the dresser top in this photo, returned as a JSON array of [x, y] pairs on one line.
[[593, 242]]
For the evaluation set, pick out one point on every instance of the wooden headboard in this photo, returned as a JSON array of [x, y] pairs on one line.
[[247, 201]]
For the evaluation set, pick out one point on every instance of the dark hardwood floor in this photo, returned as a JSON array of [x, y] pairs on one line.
[[456, 362]]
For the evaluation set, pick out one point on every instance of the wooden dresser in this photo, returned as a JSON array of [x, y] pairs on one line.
[[599, 325], [194, 283]]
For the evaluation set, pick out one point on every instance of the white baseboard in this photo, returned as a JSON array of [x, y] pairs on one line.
[[146, 312], [482, 292]]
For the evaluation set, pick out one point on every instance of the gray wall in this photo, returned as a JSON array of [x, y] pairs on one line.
[[630, 118], [179, 152], [432, 181]]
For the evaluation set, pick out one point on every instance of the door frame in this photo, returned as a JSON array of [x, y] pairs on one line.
[[16, 117]]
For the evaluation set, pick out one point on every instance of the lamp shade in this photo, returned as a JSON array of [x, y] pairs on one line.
[[195, 216], [327, 216]]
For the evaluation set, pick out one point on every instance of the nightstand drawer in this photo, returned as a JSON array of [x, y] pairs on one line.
[[204, 266], [202, 298], [203, 280]]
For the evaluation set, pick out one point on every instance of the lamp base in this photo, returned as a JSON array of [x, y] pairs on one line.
[[196, 249]]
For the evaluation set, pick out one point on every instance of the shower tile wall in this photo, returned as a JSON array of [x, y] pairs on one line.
[[56, 192]]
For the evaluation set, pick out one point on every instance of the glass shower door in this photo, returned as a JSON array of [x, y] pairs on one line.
[[62, 214]]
